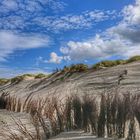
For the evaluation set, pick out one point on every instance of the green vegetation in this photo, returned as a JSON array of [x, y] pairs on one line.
[[3, 81], [20, 78], [100, 65], [111, 63], [40, 75], [17, 79], [75, 68], [133, 59], [108, 63], [72, 69]]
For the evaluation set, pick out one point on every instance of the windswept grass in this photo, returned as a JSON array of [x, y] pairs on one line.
[[75, 68], [3, 81], [133, 59], [108, 63], [40, 75], [69, 70], [112, 112]]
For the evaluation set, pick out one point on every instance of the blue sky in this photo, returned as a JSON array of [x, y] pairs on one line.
[[42, 35]]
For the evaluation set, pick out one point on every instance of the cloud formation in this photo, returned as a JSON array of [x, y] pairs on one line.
[[10, 42], [54, 58], [70, 22], [27, 7], [120, 40], [33, 16], [95, 48], [19, 18], [19, 15]]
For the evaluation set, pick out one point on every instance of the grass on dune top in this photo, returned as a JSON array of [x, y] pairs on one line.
[[73, 68]]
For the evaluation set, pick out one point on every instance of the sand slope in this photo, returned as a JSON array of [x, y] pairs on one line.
[[90, 82]]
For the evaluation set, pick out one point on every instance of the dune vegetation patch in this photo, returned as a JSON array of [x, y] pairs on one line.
[[103, 64], [111, 63], [18, 79], [75, 68], [3, 81], [69, 70], [40, 75]]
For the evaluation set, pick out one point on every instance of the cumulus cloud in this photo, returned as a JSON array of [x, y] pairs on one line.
[[120, 40], [54, 58], [132, 13], [95, 48], [10, 42]]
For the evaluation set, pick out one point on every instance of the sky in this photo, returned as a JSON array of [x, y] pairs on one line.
[[39, 36]]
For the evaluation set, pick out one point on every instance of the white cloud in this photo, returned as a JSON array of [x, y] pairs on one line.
[[30, 6], [120, 40], [132, 13], [95, 48], [10, 4], [28, 14], [57, 5], [70, 22], [54, 58], [19, 15], [10, 42]]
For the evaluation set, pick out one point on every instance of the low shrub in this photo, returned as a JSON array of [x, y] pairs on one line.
[[17, 79], [108, 63], [111, 63], [40, 75], [79, 68], [3, 81], [75, 68], [133, 59]]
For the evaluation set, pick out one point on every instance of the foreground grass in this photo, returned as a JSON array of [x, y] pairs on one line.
[[108, 115]]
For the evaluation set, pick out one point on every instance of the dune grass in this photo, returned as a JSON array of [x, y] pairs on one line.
[[89, 113], [69, 70]]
